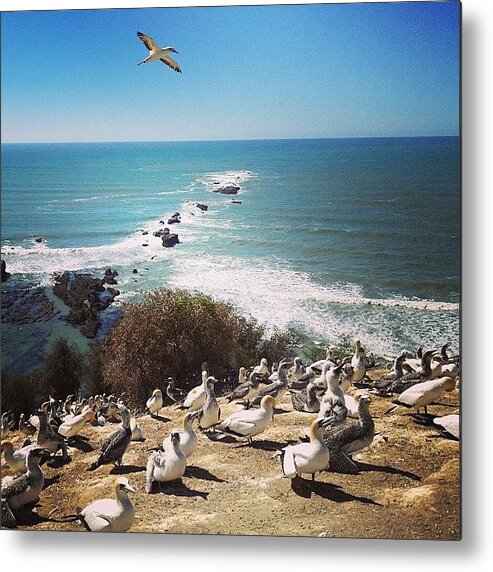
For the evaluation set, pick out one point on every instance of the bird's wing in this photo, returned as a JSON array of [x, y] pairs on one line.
[[288, 464], [14, 485], [116, 445], [170, 63], [149, 43], [239, 426], [95, 521]]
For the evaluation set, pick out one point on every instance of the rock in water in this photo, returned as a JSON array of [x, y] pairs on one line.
[[202, 207], [170, 240], [5, 274], [229, 189]]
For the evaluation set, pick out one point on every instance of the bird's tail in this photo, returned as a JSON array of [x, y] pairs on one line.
[[392, 409], [94, 465]]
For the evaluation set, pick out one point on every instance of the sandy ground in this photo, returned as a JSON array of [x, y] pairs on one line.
[[408, 486]]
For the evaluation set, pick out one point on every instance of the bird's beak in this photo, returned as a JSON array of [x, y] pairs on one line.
[[175, 51], [129, 489]]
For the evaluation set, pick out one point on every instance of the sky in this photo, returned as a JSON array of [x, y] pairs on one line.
[[251, 72]]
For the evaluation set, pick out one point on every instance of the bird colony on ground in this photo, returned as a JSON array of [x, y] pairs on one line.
[[335, 395]]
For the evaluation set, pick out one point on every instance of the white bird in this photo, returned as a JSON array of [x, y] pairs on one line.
[[311, 457], [358, 363], [157, 53], [261, 370], [71, 426], [425, 393], [167, 465], [155, 402], [250, 422], [450, 424], [136, 429], [195, 398], [188, 437], [16, 460], [108, 515]]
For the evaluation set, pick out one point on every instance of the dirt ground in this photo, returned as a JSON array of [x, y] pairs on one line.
[[408, 486]]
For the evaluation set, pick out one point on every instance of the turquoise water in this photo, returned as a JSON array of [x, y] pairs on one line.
[[335, 236]]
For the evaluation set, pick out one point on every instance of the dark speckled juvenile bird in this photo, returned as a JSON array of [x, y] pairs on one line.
[[113, 448]]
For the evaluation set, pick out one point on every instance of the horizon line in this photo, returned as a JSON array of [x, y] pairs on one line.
[[226, 140]]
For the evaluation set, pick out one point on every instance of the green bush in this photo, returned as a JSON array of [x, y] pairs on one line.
[[21, 392], [171, 333], [63, 369]]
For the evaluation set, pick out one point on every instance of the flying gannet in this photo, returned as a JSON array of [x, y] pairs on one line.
[[157, 53]]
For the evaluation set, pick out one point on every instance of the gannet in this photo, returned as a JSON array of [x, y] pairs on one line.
[[296, 371], [308, 401], [242, 376], [155, 402], [113, 448], [450, 424], [208, 416], [332, 405], [48, 439], [261, 371], [249, 422], [384, 383], [343, 440], [71, 427], [22, 489], [157, 53], [196, 396], [174, 393], [16, 460], [188, 437], [166, 465], [25, 426], [136, 429], [311, 457], [5, 424], [276, 389], [358, 363], [425, 393], [245, 391], [108, 515]]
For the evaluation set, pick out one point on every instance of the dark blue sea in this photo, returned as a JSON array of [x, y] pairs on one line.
[[332, 236]]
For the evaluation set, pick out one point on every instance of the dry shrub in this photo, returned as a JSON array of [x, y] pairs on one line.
[[171, 333]]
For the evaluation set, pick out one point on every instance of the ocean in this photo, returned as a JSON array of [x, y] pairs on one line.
[[332, 236]]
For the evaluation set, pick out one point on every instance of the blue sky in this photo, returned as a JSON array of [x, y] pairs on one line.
[[343, 70]]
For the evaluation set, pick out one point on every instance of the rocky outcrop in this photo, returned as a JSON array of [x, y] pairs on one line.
[[5, 275], [27, 306], [110, 276], [86, 296], [229, 189], [160, 232], [174, 218], [170, 239]]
